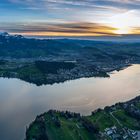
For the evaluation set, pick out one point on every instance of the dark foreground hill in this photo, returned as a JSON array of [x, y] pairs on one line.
[[118, 122]]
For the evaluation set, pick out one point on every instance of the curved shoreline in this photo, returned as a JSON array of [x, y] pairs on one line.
[[96, 125]]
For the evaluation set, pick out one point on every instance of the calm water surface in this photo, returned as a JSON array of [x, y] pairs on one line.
[[20, 102]]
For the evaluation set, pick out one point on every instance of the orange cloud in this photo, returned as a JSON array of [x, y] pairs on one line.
[[65, 29], [135, 31]]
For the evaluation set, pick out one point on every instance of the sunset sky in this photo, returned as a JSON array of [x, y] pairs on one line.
[[70, 17]]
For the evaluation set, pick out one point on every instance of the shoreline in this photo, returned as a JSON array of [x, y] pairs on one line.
[[29, 72], [99, 130]]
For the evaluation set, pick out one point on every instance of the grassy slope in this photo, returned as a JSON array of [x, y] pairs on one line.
[[103, 120], [72, 129], [126, 120]]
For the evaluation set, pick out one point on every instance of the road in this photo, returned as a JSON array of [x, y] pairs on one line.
[[111, 113]]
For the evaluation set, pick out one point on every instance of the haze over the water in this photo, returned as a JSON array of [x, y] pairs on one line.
[[124, 39], [70, 17]]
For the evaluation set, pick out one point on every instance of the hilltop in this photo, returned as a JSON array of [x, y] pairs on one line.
[[118, 122]]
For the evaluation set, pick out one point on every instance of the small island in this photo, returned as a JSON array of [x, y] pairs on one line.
[[120, 121]]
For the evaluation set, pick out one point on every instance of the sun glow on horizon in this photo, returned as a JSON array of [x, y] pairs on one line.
[[119, 24], [122, 31], [115, 25], [81, 17], [124, 22]]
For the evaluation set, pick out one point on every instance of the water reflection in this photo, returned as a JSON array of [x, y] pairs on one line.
[[20, 102]]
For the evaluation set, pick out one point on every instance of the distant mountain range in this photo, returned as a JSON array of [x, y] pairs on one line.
[[18, 46], [47, 61], [120, 38]]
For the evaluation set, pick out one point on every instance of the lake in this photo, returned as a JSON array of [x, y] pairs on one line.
[[20, 101]]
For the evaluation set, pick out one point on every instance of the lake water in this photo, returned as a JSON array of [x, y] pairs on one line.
[[20, 101]]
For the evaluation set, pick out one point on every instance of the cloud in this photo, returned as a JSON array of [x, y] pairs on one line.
[[68, 29], [83, 3], [69, 17], [71, 9], [135, 30]]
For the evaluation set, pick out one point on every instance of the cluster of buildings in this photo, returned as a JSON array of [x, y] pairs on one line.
[[125, 134]]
